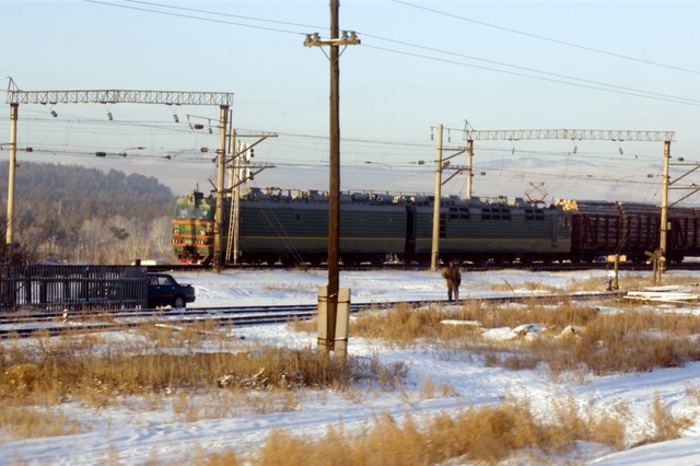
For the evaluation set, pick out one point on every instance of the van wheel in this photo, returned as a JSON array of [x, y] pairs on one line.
[[179, 302]]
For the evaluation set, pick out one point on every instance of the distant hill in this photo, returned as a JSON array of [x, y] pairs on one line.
[[71, 194], [58, 208]]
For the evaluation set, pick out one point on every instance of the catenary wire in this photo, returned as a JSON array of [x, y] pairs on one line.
[[592, 84], [548, 39]]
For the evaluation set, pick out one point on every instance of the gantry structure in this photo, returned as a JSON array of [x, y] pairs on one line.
[[224, 100], [471, 135]]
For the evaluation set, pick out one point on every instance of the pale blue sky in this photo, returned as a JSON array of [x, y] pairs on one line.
[[421, 63]]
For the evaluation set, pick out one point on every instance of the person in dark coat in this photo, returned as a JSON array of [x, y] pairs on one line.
[[453, 277]]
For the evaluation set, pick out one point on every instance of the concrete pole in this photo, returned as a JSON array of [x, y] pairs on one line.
[[436, 204], [664, 215], [231, 152], [220, 181], [9, 240], [470, 173], [236, 205]]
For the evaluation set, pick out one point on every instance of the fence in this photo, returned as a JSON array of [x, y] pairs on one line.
[[59, 287]]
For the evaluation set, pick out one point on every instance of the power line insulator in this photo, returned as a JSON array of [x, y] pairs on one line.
[[53, 113], [198, 126], [176, 118], [109, 116], [100, 154]]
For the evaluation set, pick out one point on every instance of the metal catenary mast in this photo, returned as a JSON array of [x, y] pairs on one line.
[[471, 135], [224, 100]]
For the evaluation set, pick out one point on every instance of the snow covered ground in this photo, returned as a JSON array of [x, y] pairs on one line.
[[127, 435]]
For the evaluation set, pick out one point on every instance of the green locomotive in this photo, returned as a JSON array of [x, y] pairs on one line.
[[292, 227]]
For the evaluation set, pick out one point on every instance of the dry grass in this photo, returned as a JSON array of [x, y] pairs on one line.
[[200, 375], [667, 426], [286, 286], [117, 372], [403, 325], [507, 287], [19, 422], [484, 434], [630, 281], [629, 341]]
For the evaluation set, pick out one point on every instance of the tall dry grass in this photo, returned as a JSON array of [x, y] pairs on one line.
[[483, 434], [667, 426], [631, 340], [163, 364]]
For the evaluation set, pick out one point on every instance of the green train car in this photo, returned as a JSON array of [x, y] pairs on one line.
[[500, 230], [292, 227]]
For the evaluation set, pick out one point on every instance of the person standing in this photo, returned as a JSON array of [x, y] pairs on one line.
[[453, 277]]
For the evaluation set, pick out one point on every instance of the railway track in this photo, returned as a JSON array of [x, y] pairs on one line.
[[26, 325], [534, 267]]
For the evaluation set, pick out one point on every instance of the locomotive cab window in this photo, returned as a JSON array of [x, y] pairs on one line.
[[201, 214], [182, 212]]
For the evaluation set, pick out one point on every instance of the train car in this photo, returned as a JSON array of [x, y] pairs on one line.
[[602, 228], [500, 230], [684, 233], [193, 228], [292, 227]]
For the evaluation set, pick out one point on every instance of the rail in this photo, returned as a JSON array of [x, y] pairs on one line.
[[58, 323]]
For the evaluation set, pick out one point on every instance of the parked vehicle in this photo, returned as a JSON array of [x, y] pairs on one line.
[[164, 290]]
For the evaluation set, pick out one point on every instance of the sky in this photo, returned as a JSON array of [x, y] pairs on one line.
[[134, 432], [610, 65]]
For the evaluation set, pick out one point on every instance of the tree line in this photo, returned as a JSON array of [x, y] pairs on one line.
[[73, 214]]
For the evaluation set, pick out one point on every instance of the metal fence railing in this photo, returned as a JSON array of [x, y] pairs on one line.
[[59, 287]]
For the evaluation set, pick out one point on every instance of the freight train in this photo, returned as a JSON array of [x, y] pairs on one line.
[[291, 227]]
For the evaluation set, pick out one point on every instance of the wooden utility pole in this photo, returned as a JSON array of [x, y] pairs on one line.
[[334, 42], [334, 183]]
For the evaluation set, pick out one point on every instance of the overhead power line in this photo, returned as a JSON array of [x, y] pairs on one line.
[[229, 15], [548, 39], [635, 93], [533, 70], [555, 77], [179, 15]]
